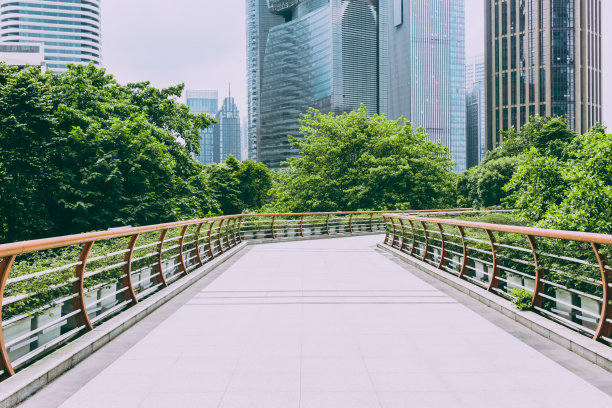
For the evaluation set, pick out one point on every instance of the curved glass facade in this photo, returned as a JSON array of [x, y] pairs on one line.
[[325, 54], [69, 29], [298, 67]]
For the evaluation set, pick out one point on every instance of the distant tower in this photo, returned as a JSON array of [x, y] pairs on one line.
[[227, 137], [204, 102], [475, 110], [427, 70], [543, 57], [70, 30]]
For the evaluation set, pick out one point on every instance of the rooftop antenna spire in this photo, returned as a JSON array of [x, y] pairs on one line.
[[230, 89]]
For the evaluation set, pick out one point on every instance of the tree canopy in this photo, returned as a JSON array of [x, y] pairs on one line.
[[553, 177], [355, 161], [81, 152]]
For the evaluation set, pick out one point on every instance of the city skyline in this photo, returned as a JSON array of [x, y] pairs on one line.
[[187, 49]]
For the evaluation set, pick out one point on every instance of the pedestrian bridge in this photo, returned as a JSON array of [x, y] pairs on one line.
[[331, 322]]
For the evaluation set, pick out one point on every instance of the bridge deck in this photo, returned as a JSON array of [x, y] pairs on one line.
[[331, 323]]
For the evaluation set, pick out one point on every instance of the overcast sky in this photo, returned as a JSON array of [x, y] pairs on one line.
[[202, 43]]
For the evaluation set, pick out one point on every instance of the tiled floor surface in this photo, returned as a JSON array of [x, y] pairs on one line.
[[330, 323]]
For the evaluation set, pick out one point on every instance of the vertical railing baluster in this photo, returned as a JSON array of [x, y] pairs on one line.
[[494, 282], [538, 286], [5, 362], [239, 234], [78, 288], [443, 253], [302, 226], [196, 251], [414, 241], [181, 258], [605, 327], [371, 225], [426, 255], [272, 227], [351, 223], [211, 253], [327, 224], [466, 254], [229, 238], [127, 270], [387, 230], [160, 258], [403, 245], [219, 243], [394, 240]]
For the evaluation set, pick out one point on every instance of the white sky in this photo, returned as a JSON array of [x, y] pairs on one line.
[[203, 44]]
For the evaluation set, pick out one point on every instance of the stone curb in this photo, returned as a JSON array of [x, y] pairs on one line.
[[591, 350], [28, 381]]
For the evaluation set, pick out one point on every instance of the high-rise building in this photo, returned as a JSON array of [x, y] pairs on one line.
[[244, 138], [259, 22], [23, 54], [427, 70], [69, 29], [543, 57], [475, 110], [227, 133], [327, 54], [204, 102]]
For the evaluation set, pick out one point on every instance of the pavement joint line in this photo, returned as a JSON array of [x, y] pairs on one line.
[[319, 303], [585, 347], [33, 378]]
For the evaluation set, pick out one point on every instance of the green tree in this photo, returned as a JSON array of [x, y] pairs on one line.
[[28, 138], [485, 185], [573, 191], [239, 186], [355, 161], [81, 152]]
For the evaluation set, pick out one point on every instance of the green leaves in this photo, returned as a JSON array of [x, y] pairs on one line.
[[355, 161], [81, 152]]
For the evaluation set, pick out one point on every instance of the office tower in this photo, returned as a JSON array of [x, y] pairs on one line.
[[70, 30], [227, 136], [475, 110], [204, 102], [327, 54], [244, 138], [23, 54], [259, 22], [543, 57], [427, 70]]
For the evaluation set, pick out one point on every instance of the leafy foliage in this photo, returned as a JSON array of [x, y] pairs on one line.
[[354, 161], [522, 299], [483, 185], [81, 152]]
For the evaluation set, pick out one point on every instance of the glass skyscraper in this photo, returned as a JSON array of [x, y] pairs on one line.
[[227, 137], [427, 70], [325, 54], [475, 110], [543, 57], [204, 102], [69, 29]]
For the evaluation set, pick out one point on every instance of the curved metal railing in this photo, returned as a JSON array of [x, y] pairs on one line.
[[565, 274], [54, 289]]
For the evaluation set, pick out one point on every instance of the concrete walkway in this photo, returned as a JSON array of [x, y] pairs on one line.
[[331, 323]]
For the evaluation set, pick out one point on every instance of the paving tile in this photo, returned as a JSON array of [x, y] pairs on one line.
[[339, 400], [316, 324], [261, 400]]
